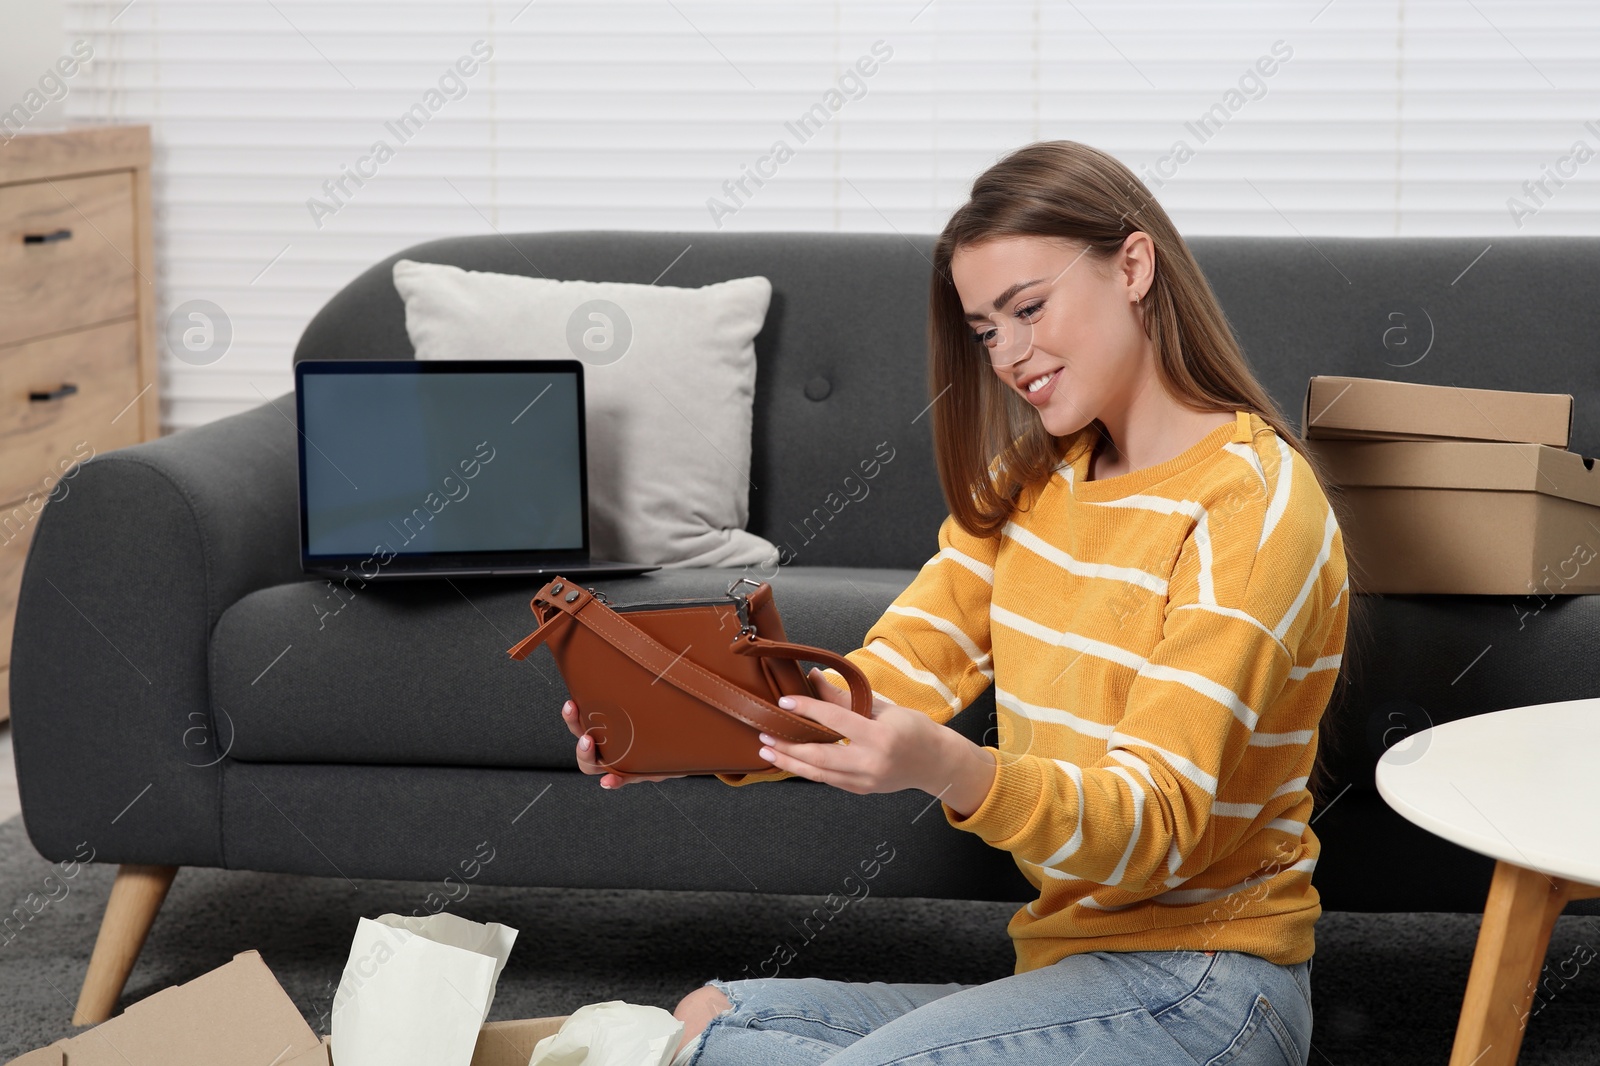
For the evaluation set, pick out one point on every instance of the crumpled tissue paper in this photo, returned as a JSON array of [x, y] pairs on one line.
[[612, 1033], [416, 990]]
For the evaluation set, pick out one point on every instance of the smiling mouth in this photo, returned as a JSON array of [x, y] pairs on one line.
[[1040, 382]]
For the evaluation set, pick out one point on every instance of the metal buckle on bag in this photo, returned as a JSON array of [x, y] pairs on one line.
[[559, 587], [746, 629]]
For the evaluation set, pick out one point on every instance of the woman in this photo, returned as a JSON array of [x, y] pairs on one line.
[[1142, 560]]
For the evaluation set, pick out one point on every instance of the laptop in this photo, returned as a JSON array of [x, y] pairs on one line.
[[445, 468]]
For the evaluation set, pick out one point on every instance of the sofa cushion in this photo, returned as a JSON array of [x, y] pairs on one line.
[[416, 672], [668, 381]]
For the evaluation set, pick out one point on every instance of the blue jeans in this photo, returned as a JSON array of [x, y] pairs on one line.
[[1147, 1007]]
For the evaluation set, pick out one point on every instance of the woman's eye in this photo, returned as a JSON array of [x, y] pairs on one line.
[[1023, 312], [985, 338]]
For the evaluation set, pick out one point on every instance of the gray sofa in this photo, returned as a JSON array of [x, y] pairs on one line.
[[183, 695]]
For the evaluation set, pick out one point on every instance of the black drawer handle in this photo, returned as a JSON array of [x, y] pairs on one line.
[[47, 238], [66, 388]]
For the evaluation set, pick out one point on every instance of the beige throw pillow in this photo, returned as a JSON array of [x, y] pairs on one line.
[[669, 381]]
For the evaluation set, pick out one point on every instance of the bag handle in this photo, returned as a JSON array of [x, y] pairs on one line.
[[693, 679]]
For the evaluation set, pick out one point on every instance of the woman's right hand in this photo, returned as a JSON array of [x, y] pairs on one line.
[[586, 760]]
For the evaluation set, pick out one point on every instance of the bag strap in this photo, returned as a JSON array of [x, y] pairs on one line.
[[575, 602]]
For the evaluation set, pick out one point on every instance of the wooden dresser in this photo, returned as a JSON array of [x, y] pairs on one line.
[[78, 358]]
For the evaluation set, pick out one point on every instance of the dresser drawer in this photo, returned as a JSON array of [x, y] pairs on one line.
[[36, 435], [66, 254]]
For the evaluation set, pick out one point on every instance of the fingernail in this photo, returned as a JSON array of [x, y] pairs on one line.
[[765, 753], [786, 702], [583, 742], [604, 785], [764, 738], [567, 706]]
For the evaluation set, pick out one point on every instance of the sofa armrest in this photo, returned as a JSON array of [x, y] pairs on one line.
[[131, 565]]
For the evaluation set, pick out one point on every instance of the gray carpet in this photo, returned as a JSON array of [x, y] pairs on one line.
[[1387, 987]]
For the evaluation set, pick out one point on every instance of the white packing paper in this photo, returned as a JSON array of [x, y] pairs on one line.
[[613, 1033], [415, 990]]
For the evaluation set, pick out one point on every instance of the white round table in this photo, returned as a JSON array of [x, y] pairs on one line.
[[1521, 786]]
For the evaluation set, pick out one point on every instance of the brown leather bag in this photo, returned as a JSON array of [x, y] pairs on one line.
[[682, 686]]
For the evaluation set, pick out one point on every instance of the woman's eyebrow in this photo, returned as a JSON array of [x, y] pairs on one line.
[[1004, 298]]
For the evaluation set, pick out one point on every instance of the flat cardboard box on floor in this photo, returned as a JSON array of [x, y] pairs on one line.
[[1466, 517], [239, 1013], [1379, 409]]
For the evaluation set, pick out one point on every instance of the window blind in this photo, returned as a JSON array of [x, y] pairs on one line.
[[298, 142]]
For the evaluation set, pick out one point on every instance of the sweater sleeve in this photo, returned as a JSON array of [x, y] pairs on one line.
[[930, 650], [1216, 716]]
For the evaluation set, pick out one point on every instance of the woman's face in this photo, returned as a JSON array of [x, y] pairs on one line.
[[1043, 310]]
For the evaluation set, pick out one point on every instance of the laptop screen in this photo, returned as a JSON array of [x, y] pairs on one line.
[[449, 463]]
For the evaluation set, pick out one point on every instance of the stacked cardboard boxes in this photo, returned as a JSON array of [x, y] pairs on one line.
[[1452, 490]]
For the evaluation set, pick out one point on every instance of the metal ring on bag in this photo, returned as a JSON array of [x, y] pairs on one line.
[[747, 628], [742, 581]]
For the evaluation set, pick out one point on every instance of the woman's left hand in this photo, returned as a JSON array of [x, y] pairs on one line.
[[897, 748]]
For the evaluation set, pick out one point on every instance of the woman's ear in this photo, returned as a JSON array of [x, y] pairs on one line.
[[1138, 263]]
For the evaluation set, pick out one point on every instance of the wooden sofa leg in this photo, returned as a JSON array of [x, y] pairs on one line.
[[136, 896]]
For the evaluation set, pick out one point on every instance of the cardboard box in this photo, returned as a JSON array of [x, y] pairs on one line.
[[499, 1043], [1466, 517], [239, 1013], [1375, 409], [235, 1013]]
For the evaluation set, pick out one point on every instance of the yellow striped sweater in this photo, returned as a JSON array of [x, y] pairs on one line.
[[1162, 644]]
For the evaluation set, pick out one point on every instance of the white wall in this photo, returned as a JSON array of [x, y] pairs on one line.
[[1387, 117], [31, 40]]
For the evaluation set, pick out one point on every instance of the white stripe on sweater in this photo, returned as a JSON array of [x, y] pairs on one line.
[[977, 656], [1329, 528], [1201, 533], [1043, 548], [1138, 824], [886, 651], [1038, 712], [1280, 495], [1193, 681], [1178, 762], [1066, 639], [1327, 662], [1074, 842], [1294, 784], [983, 570], [1279, 740], [1202, 543], [1234, 612], [1247, 452], [1205, 687], [1190, 896]]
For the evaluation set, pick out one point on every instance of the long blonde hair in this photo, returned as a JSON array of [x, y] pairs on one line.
[[1064, 189]]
